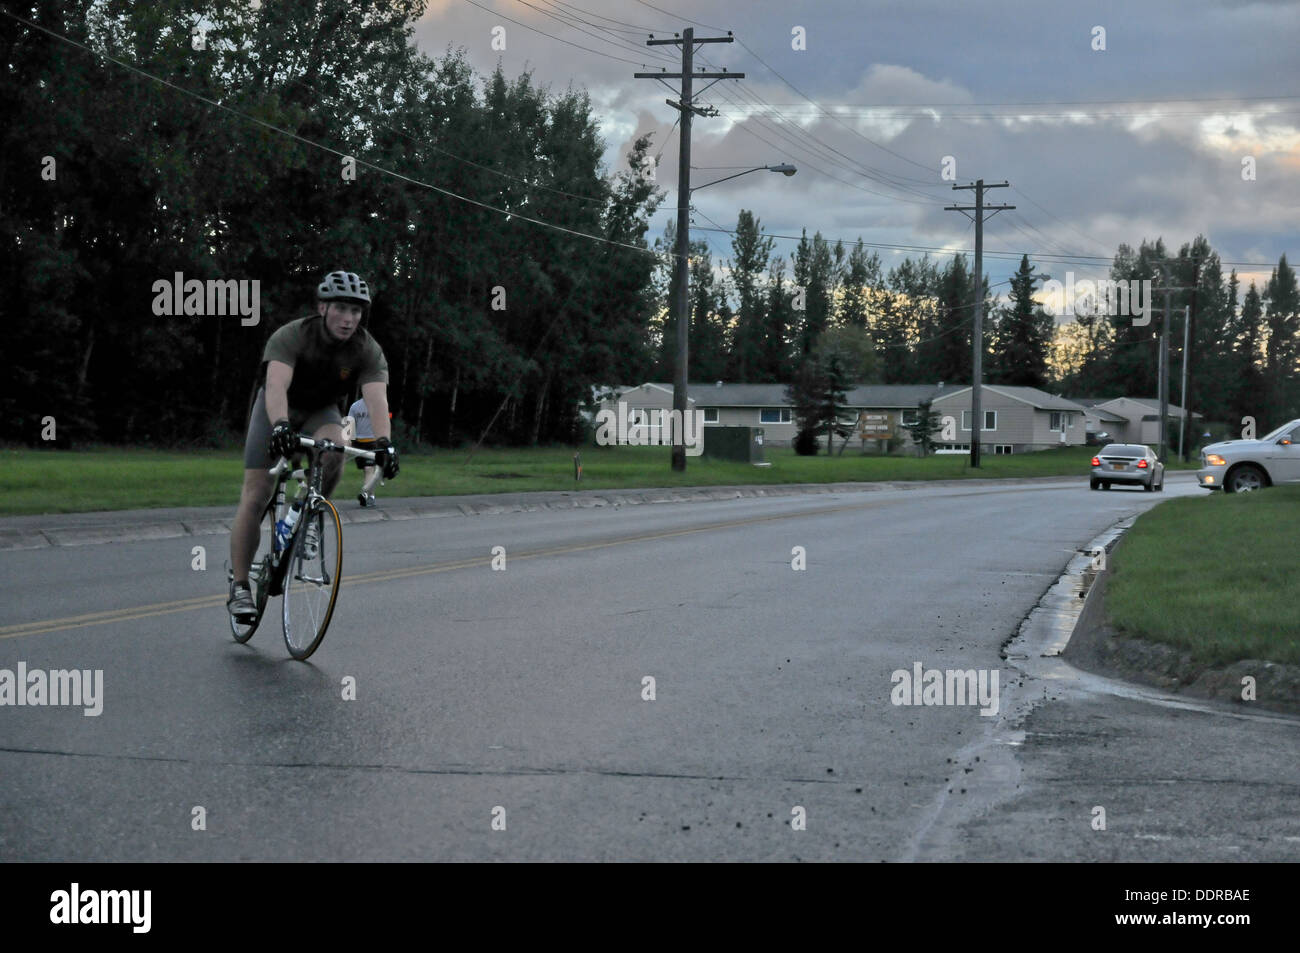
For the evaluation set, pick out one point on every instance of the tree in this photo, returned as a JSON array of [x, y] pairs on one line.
[[775, 360], [835, 382], [853, 348], [815, 280], [818, 395], [945, 353], [861, 283], [1281, 344], [923, 430], [1249, 394], [751, 251], [1022, 335], [804, 394]]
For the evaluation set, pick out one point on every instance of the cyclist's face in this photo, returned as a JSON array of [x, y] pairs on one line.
[[341, 318]]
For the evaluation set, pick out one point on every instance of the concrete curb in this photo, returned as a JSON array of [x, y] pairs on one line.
[[1092, 647], [85, 529]]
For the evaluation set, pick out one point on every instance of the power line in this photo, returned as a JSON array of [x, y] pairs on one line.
[[618, 41], [628, 27], [678, 16], [885, 179], [807, 150], [552, 36]]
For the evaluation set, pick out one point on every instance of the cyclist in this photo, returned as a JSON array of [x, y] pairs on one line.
[[363, 439], [307, 366]]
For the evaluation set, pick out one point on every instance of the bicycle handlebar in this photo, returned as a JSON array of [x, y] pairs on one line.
[[307, 443]]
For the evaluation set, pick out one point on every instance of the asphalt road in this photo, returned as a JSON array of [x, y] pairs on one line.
[[515, 699]]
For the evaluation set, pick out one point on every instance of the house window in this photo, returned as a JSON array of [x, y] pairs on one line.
[[774, 415], [710, 415], [1058, 418], [1002, 448], [990, 420], [911, 418]]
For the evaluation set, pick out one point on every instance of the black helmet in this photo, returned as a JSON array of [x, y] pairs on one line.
[[343, 286]]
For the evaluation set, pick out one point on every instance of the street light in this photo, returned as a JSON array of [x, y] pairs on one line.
[[681, 277], [784, 168]]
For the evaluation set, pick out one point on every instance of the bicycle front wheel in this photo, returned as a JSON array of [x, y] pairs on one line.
[[312, 578]]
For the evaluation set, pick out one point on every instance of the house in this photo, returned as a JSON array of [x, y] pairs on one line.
[[1098, 421], [1016, 420], [765, 405], [1140, 418]]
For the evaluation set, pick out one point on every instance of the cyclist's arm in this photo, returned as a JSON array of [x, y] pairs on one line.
[[278, 377], [375, 394]]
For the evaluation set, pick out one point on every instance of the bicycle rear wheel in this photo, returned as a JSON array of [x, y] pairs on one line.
[[312, 578]]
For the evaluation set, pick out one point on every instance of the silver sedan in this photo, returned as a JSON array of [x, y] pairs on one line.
[[1127, 463]]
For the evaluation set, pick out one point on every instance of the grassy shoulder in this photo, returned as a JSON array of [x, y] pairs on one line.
[[1215, 577], [67, 481]]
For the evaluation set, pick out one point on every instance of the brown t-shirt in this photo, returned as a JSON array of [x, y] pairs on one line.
[[324, 370]]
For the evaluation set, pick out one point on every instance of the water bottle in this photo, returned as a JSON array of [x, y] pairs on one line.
[[284, 528]]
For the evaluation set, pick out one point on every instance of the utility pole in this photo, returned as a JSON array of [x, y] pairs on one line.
[[977, 344], [1163, 376], [681, 271], [1187, 354], [1182, 393], [1163, 365]]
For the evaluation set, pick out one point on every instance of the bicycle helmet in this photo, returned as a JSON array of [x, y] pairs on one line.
[[343, 286]]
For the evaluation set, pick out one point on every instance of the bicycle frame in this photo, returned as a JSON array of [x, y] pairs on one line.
[[308, 492]]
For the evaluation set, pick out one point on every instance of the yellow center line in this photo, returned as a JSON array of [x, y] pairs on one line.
[[110, 616]]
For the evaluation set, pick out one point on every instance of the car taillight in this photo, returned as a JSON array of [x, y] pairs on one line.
[[1096, 462], [1142, 464]]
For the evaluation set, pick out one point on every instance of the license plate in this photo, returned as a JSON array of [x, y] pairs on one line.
[[1119, 466]]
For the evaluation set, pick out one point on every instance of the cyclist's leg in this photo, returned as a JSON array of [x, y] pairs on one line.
[[245, 531], [255, 493], [327, 424], [366, 443]]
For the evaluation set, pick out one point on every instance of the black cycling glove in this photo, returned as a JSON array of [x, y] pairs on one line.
[[386, 457], [283, 440]]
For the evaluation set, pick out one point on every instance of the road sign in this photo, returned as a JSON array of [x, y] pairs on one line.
[[873, 426]]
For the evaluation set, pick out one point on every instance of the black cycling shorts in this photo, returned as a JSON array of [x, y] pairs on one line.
[[257, 451]]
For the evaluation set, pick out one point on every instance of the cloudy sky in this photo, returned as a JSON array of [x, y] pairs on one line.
[[1142, 139]]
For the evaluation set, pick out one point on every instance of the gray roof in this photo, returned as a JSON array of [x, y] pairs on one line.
[[1032, 396], [1092, 401], [736, 395], [1153, 403], [886, 396]]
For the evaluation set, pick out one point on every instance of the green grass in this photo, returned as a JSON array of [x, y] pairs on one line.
[[1216, 577], [63, 481]]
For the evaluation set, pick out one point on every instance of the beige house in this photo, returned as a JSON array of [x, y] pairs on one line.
[[1016, 420], [1137, 419], [1099, 421], [765, 405]]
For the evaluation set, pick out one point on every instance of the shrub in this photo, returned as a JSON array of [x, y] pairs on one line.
[[805, 443]]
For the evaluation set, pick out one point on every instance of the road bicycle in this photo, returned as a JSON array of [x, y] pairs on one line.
[[307, 567]]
